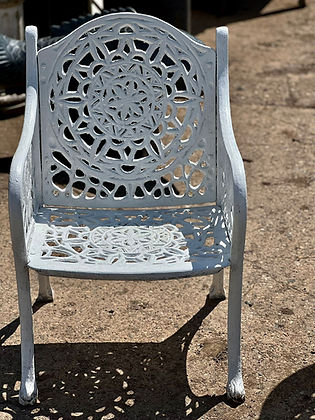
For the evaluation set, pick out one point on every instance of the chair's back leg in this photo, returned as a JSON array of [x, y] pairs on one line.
[[217, 287], [45, 292], [235, 386], [28, 389]]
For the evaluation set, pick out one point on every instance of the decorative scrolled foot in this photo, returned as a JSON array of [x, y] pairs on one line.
[[235, 390], [28, 394]]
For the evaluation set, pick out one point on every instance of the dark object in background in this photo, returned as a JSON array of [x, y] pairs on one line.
[[12, 62], [70, 25], [12, 51], [176, 12], [218, 8], [45, 14], [12, 65]]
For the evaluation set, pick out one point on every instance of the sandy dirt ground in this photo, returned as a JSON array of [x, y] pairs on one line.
[[153, 350]]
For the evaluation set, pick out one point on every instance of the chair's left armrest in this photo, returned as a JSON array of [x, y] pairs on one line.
[[22, 179], [231, 181], [21, 183]]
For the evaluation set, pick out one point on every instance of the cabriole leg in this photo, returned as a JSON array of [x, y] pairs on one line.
[[28, 389], [235, 388], [45, 292], [217, 286]]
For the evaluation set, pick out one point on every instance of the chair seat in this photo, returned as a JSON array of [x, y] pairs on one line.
[[135, 244]]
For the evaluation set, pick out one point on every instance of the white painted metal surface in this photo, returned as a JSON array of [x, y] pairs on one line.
[[232, 197], [135, 174], [135, 244], [129, 102]]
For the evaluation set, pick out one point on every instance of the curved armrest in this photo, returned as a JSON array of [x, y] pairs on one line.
[[21, 183], [231, 181]]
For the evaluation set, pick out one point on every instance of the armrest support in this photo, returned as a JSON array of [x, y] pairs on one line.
[[21, 183], [231, 181]]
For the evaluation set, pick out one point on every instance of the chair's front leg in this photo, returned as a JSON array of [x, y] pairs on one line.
[[45, 292], [217, 287], [235, 387], [28, 389]]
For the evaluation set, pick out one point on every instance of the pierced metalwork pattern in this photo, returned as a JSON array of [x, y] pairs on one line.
[[115, 238], [132, 115], [127, 101], [122, 245]]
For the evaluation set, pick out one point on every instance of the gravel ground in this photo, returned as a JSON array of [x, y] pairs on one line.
[[133, 350]]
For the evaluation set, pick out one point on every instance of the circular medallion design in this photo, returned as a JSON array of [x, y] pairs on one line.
[[127, 104], [135, 239], [128, 98]]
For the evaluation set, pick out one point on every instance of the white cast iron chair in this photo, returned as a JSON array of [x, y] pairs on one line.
[[127, 168]]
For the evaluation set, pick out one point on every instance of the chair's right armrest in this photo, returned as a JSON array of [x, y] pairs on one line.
[[21, 182], [231, 181]]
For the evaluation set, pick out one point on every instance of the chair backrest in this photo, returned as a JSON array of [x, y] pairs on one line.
[[127, 109]]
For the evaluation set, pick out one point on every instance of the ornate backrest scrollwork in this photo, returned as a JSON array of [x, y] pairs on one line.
[[128, 115]]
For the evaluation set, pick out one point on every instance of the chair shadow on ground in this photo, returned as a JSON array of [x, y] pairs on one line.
[[293, 398], [225, 13], [5, 164], [108, 380]]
